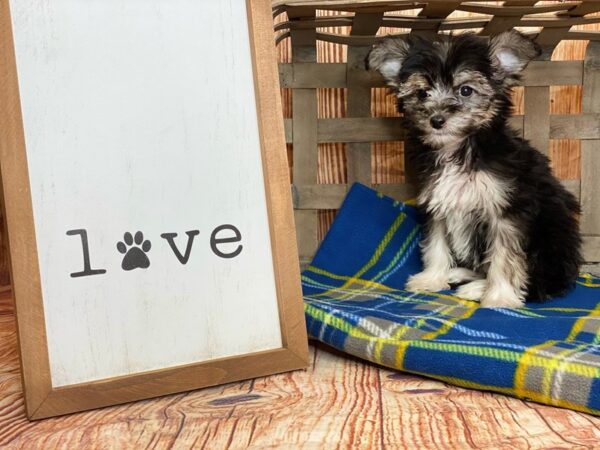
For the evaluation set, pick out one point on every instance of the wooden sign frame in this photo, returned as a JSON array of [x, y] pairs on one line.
[[44, 400]]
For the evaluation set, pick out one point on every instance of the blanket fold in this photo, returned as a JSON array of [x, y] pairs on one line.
[[355, 302]]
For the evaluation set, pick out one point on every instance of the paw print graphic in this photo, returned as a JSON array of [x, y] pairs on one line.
[[134, 249]]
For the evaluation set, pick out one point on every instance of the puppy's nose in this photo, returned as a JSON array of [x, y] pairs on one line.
[[437, 122]]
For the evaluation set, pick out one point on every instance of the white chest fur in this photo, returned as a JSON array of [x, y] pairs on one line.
[[463, 199], [455, 190]]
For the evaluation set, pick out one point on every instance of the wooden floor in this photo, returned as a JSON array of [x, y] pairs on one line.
[[337, 403]]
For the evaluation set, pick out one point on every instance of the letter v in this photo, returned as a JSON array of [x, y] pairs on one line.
[[170, 238]]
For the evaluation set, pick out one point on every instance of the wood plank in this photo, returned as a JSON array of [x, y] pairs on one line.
[[381, 129], [575, 126], [573, 186], [436, 10], [4, 253], [584, 7], [515, 10], [553, 73], [499, 23], [464, 419], [401, 22], [304, 137], [331, 196], [490, 26], [591, 249], [362, 129], [358, 155], [590, 156], [367, 129], [583, 35], [352, 6], [333, 75], [338, 402], [536, 125]]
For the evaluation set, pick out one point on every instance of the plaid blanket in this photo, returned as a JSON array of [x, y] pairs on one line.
[[355, 302]]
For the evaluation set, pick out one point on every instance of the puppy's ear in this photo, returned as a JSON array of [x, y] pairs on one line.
[[510, 52], [387, 58]]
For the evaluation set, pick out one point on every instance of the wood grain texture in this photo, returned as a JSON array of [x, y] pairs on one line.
[[550, 112], [304, 141], [590, 156], [358, 155], [338, 402], [290, 351], [18, 206]]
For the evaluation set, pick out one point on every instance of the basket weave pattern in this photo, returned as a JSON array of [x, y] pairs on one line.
[[306, 24]]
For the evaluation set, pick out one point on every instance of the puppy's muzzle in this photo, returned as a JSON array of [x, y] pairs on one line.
[[437, 122]]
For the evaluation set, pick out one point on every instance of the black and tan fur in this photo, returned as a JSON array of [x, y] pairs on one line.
[[496, 218]]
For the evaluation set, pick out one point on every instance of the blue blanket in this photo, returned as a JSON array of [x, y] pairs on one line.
[[355, 302]]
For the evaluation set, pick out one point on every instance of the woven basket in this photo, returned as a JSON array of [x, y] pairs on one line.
[[549, 23]]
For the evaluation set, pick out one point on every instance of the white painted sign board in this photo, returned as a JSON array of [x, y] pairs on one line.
[[147, 183]]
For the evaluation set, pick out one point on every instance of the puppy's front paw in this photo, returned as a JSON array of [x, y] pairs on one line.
[[427, 281], [473, 290], [461, 275], [501, 298]]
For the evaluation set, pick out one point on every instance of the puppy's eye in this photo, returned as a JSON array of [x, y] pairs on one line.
[[422, 94], [466, 91]]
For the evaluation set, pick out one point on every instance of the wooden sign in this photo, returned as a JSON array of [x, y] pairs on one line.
[[147, 197]]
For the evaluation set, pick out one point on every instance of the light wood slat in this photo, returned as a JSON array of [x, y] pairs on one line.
[[508, 11], [490, 26], [318, 75], [573, 186], [362, 5], [536, 124], [4, 253], [591, 249], [322, 21], [370, 40], [333, 75], [437, 10], [304, 135], [358, 155], [351, 40], [556, 22], [562, 126], [574, 7], [304, 138], [584, 126], [362, 129], [583, 36], [590, 154], [399, 5], [331, 196], [392, 22], [499, 23], [549, 38], [553, 73], [454, 23], [318, 196], [585, 7]]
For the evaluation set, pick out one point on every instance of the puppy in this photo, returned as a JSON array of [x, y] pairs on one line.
[[497, 221]]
